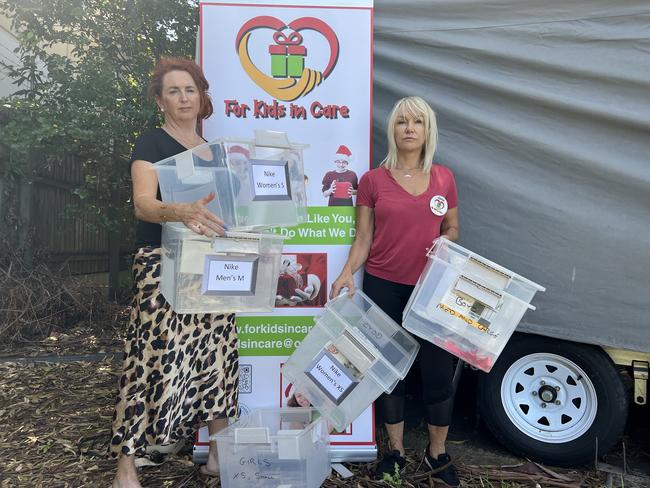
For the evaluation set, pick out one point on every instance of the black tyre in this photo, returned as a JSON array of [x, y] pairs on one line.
[[549, 400]]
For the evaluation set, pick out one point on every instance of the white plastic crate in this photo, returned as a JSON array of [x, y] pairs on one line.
[[467, 304], [258, 183], [275, 447], [353, 354], [238, 273]]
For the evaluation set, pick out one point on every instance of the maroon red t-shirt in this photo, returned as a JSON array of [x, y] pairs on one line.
[[405, 225]]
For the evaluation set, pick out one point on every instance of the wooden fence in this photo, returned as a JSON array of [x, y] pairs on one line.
[[36, 216]]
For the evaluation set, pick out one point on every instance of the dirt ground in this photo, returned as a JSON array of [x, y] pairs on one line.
[[472, 444], [56, 418]]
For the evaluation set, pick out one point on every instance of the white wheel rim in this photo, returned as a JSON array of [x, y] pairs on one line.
[[549, 398]]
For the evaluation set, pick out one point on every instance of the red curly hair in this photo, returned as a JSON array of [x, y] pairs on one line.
[[165, 65]]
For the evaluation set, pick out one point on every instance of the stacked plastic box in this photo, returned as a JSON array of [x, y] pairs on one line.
[[258, 183], [354, 353], [467, 304], [272, 448], [238, 273]]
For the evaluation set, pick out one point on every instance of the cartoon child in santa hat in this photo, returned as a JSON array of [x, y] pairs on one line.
[[238, 157], [341, 184]]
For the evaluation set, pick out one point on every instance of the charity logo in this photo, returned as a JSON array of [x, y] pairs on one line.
[[290, 77], [438, 205]]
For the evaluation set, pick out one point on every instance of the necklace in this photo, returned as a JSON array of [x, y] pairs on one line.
[[408, 173], [184, 141]]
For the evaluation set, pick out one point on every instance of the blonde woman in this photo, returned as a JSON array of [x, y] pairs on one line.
[[402, 206]]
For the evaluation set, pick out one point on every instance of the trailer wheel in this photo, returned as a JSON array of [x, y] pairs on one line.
[[549, 400]]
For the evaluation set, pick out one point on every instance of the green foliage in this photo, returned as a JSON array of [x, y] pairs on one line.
[[394, 479], [82, 84]]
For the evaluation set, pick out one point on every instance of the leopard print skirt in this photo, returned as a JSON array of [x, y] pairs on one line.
[[179, 369]]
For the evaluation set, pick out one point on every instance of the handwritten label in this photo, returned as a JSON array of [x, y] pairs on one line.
[[269, 180], [387, 345], [334, 379], [243, 475], [229, 276], [373, 332], [257, 468], [479, 324]]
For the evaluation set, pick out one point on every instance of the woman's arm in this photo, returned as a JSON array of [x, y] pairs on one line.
[[449, 226], [358, 252], [194, 215]]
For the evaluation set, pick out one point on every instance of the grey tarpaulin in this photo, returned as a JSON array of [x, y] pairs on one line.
[[544, 117]]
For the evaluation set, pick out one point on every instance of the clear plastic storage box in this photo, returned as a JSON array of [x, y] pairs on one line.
[[275, 448], [257, 183], [467, 304], [238, 273], [353, 354]]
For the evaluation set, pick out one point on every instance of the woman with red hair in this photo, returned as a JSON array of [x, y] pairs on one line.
[[180, 370]]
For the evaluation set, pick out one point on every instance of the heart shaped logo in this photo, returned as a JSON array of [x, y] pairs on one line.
[[290, 79]]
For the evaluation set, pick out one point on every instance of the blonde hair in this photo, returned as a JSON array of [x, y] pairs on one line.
[[415, 107]]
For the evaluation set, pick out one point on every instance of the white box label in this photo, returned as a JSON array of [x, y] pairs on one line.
[[229, 275], [332, 377], [269, 180]]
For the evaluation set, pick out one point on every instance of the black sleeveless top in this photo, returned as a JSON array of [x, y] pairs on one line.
[[153, 146]]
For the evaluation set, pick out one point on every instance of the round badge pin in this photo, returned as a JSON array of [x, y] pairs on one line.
[[438, 205]]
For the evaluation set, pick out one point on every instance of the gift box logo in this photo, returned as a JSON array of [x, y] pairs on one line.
[[287, 55], [289, 78]]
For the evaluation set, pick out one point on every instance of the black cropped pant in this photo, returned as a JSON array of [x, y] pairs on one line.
[[436, 365]]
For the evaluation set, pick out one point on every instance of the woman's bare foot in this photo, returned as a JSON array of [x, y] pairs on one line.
[[127, 475], [124, 482], [212, 466]]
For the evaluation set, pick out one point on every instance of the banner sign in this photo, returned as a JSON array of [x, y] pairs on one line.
[[304, 68]]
